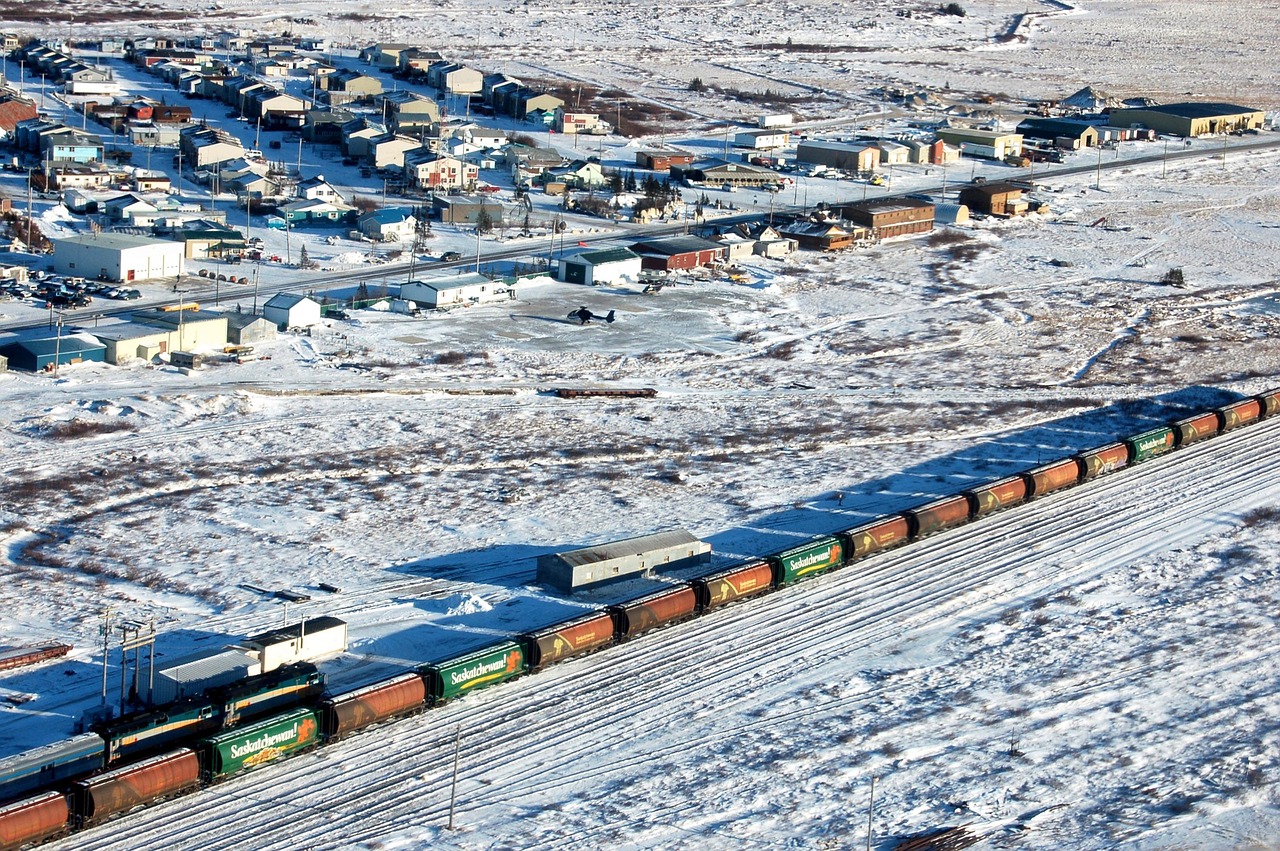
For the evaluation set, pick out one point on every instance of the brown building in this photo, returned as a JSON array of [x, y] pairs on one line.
[[821, 236], [656, 159], [888, 217], [13, 110], [995, 199]]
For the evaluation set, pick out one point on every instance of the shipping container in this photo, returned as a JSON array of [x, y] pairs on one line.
[[559, 641], [1270, 402], [248, 747], [39, 768], [1002, 493], [877, 535], [1104, 459], [938, 515], [1051, 477], [1149, 444], [811, 559], [1240, 413], [98, 798], [654, 610], [257, 696], [734, 583], [354, 710], [462, 674], [1197, 428], [33, 820]]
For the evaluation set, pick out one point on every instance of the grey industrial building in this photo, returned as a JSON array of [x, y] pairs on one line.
[[590, 566]]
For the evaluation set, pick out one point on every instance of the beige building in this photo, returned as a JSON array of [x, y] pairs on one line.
[[1191, 119], [988, 144]]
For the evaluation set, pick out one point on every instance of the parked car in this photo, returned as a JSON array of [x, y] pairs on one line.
[[130, 295], [450, 256]]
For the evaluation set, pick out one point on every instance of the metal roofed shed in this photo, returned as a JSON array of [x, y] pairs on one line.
[[305, 641], [591, 566], [192, 677]]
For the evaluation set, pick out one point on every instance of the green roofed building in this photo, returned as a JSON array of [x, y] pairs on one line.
[[35, 355], [607, 266]]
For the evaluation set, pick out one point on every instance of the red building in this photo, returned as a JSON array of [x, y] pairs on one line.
[[661, 159], [680, 252]]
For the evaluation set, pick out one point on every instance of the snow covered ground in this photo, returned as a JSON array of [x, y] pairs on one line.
[[1096, 670]]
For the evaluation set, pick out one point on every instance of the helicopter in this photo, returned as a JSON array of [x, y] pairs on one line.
[[584, 316]]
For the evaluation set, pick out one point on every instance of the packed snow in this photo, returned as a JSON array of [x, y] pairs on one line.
[[1094, 670]]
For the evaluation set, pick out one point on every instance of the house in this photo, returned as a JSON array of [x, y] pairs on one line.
[[457, 291], [318, 189], [385, 56], [853, 158], [415, 61], [315, 211], [407, 112], [737, 247], [466, 209], [772, 244], [151, 181], [357, 135], [204, 146], [579, 174], [574, 123], [677, 253], [430, 170], [889, 217], [277, 110], [290, 310], [454, 79], [324, 126], [392, 224], [722, 173], [995, 199], [607, 266], [205, 239], [986, 144], [819, 236], [661, 159], [71, 176], [118, 257], [344, 87], [389, 149], [1191, 119], [14, 109], [762, 140], [41, 353]]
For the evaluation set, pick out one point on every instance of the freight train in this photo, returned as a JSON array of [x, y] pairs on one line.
[[174, 749]]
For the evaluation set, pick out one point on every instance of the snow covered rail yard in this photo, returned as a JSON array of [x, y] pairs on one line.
[[704, 733]]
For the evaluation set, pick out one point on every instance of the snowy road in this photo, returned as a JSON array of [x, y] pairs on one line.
[[762, 724]]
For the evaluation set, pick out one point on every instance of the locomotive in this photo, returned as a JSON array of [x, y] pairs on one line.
[[170, 750]]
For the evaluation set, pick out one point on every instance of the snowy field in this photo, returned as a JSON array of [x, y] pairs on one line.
[[1096, 670]]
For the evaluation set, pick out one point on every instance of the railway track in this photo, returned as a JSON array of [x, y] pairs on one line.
[[582, 710]]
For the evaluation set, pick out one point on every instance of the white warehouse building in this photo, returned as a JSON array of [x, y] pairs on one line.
[[118, 257], [458, 291]]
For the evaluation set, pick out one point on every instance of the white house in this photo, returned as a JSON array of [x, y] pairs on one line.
[[393, 224], [428, 169], [289, 310], [317, 188], [458, 291]]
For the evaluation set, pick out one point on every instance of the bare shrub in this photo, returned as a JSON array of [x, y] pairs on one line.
[[86, 428], [942, 238], [782, 351], [1261, 516]]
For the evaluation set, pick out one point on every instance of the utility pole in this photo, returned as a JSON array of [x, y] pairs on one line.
[[105, 632], [1097, 180], [57, 347], [871, 811]]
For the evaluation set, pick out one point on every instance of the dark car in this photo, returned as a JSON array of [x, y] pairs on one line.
[[130, 295], [450, 256]]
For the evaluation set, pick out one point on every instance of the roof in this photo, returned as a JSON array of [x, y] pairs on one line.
[[607, 255], [236, 321], [992, 188], [1054, 126], [174, 318], [1201, 110], [388, 216], [292, 631], [69, 343], [204, 667], [885, 205], [628, 547], [457, 282], [127, 331], [676, 245], [288, 300], [117, 241]]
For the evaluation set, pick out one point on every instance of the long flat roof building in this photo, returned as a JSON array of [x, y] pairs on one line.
[[600, 563]]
